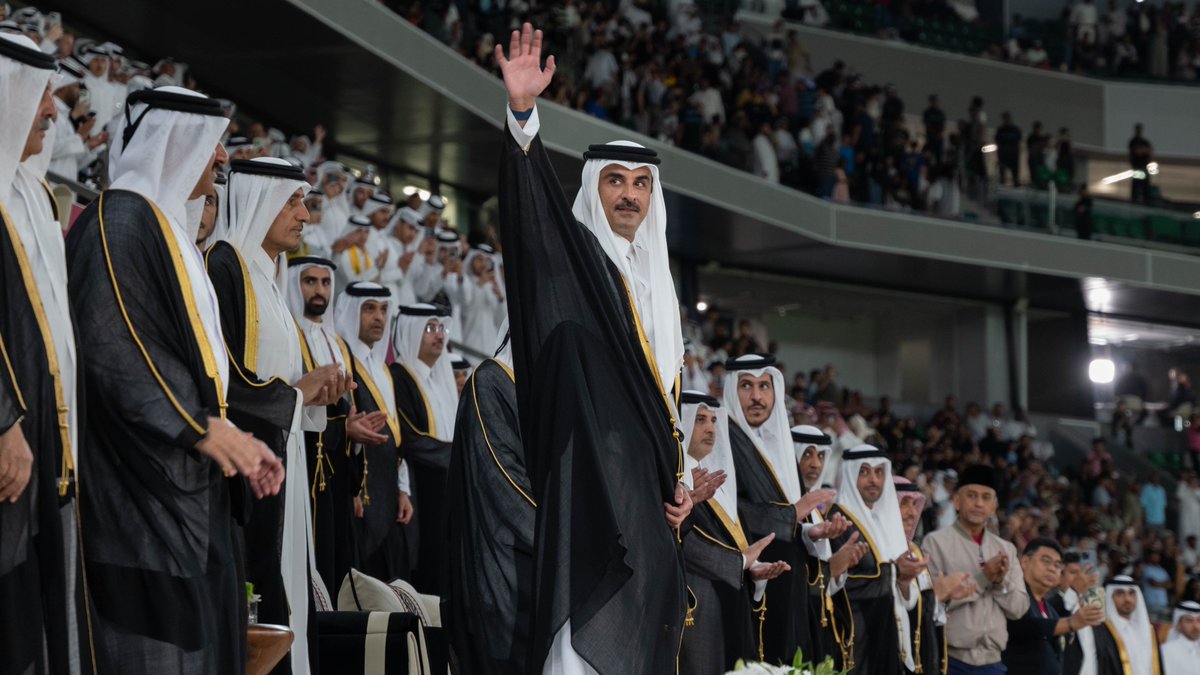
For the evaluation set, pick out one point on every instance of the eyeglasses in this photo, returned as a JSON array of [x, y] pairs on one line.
[[434, 328], [1052, 563]]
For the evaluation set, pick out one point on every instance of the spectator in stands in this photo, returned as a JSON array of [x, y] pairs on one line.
[[1084, 20], [1008, 149], [766, 160], [976, 137], [948, 415], [1189, 554], [1035, 156], [1082, 215], [1156, 583], [1141, 153], [1064, 163], [1154, 501]]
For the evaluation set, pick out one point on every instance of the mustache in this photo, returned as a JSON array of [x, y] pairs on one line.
[[629, 204]]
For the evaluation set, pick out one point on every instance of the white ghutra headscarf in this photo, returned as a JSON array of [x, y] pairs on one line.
[[721, 457], [773, 439], [437, 381], [650, 282]]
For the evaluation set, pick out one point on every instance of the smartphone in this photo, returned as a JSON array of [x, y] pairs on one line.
[[1087, 558], [1094, 597]]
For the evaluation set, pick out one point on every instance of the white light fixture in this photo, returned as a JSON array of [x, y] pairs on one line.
[[1099, 298], [702, 306], [1102, 371], [990, 147], [1117, 177], [1152, 168]]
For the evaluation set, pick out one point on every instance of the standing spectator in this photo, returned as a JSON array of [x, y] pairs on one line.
[[1083, 219], [766, 161], [976, 137], [1140, 155], [1008, 147], [1156, 583], [1084, 18], [1035, 156], [841, 186], [827, 162], [1188, 494], [1034, 646], [1154, 501], [976, 627], [1064, 163]]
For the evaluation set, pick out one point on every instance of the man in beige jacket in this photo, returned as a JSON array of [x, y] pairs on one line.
[[976, 626]]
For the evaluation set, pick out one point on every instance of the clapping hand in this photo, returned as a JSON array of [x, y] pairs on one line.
[[830, 529], [705, 484], [679, 511]]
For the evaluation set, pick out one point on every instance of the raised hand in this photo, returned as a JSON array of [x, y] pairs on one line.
[[705, 484], [750, 555], [908, 566], [995, 569], [830, 529], [524, 77], [404, 512], [679, 511], [16, 464], [812, 500], [365, 427], [849, 555], [953, 586], [768, 571]]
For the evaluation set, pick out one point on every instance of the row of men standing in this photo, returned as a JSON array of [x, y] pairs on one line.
[[207, 377]]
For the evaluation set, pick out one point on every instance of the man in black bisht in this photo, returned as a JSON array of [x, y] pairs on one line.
[[310, 295], [721, 563], [426, 401], [771, 500], [39, 396], [362, 316], [163, 569], [489, 520], [597, 347]]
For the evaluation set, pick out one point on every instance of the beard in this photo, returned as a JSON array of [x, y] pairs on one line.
[[312, 308]]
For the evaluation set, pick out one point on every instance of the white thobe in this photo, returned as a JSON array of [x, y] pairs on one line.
[[1180, 656], [279, 356]]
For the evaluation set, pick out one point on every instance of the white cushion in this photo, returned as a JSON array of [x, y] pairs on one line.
[[362, 593]]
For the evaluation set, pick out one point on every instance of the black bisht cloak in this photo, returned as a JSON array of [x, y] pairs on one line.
[[599, 436], [332, 488], [262, 407], [157, 538], [490, 517], [863, 610], [787, 624], [33, 560], [1110, 655], [428, 458], [379, 540], [722, 631]]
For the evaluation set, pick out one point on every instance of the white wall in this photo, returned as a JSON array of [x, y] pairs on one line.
[[917, 358]]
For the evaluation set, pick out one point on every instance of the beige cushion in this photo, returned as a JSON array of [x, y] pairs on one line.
[[362, 593]]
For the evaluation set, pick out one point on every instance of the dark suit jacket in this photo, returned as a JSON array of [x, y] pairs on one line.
[[1032, 647]]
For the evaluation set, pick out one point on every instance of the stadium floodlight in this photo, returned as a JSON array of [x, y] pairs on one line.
[[1102, 371]]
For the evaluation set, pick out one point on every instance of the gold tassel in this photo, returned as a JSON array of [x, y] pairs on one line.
[[917, 639], [761, 610], [366, 496], [690, 618], [68, 467]]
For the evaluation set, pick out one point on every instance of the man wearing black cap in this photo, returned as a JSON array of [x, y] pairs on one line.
[[976, 626]]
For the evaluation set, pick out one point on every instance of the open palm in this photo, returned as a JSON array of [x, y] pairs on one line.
[[524, 77]]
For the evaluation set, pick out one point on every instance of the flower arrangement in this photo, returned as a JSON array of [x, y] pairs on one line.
[[799, 667]]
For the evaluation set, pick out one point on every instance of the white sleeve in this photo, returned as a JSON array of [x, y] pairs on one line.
[[524, 137], [402, 478], [836, 584], [819, 548], [760, 587], [315, 417]]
